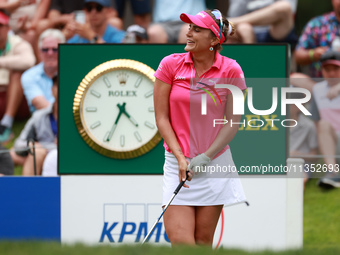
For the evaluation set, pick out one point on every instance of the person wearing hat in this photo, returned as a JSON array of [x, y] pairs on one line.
[[325, 109], [16, 55], [96, 29], [192, 143], [136, 34]]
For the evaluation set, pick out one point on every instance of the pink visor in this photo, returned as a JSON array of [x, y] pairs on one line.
[[203, 19], [331, 62], [3, 18]]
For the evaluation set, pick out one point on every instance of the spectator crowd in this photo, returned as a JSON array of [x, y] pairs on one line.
[[30, 31]]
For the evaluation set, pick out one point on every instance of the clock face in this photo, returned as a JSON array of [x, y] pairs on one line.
[[114, 109]]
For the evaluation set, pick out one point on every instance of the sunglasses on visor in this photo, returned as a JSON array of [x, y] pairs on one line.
[[218, 16]]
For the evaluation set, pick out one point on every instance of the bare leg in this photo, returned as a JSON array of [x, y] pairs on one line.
[[278, 15], [143, 20], [327, 139], [179, 222], [301, 80], [17, 160], [28, 167], [206, 220], [246, 33], [31, 36], [15, 94], [285, 21], [42, 26], [157, 34]]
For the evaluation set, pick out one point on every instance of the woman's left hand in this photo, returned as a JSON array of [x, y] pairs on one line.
[[198, 162]]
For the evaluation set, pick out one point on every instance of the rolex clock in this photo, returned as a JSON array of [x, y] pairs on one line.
[[113, 109]]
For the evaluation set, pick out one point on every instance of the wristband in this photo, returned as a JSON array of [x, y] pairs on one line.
[[311, 54]]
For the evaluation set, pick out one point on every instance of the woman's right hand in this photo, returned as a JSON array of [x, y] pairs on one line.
[[182, 171]]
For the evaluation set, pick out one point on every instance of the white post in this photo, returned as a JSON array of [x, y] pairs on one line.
[[294, 207]]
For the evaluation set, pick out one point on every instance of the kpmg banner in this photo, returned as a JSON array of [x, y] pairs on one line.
[[121, 209], [106, 116]]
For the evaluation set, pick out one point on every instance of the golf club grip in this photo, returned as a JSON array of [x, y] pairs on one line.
[[180, 185]]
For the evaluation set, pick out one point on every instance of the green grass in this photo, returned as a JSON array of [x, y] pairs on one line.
[[16, 129], [42, 248], [321, 216]]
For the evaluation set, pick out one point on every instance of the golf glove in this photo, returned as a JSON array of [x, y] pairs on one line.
[[198, 163]]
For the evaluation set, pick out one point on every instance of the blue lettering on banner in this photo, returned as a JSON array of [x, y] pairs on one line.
[[129, 228], [130, 222], [107, 232], [125, 232], [143, 227]]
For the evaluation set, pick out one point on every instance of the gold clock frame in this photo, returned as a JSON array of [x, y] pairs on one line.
[[112, 65]]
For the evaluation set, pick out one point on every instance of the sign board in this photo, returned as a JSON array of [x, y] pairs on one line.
[[264, 66]]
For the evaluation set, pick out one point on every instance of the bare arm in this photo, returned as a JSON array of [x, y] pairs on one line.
[[12, 6], [56, 18], [40, 102], [227, 133], [53, 14], [41, 12], [302, 80], [161, 103], [308, 56]]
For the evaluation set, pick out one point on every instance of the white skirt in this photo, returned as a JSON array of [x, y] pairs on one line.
[[218, 184]]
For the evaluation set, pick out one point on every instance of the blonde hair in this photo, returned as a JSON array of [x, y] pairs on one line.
[[54, 33]]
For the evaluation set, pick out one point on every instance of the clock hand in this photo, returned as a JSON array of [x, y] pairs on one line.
[[121, 110], [134, 122]]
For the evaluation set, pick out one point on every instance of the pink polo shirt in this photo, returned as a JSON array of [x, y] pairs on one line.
[[195, 131]]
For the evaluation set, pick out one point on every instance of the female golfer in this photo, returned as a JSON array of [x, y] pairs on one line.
[[190, 109]]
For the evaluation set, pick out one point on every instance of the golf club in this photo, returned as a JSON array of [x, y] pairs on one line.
[[167, 205]]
